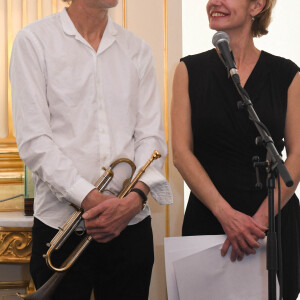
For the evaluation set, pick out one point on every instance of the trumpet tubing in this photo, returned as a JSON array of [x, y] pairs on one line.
[[45, 292]]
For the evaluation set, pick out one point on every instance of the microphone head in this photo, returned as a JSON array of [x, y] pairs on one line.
[[219, 37]]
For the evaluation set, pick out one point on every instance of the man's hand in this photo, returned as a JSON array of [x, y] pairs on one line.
[[108, 219], [93, 198]]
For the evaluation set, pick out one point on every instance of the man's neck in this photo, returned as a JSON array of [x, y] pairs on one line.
[[89, 21]]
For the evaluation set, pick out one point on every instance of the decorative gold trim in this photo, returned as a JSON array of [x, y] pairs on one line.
[[124, 14], [166, 106], [39, 9], [24, 13], [28, 285], [54, 6], [11, 166], [15, 229], [15, 244], [9, 47], [4, 285]]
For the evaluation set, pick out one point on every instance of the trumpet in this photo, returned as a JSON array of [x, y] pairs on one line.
[[46, 291]]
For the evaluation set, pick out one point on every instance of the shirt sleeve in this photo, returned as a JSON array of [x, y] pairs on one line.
[[32, 122], [149, 133]]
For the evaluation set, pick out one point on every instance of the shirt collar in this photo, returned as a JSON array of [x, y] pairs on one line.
[[108, 36]]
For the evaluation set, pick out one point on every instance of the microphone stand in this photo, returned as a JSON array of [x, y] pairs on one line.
[[274, 165]]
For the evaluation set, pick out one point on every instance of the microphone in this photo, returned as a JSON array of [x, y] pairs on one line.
[[221, 41]]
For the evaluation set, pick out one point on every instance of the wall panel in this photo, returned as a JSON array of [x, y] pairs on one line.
[[146, 19], [3, 70], [14, 15], [159, 24]]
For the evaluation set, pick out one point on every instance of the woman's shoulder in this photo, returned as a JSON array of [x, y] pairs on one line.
[[200, 58], [279, 67], [279, 63]]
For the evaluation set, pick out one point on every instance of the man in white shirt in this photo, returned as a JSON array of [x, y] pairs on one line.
[[84, 94]]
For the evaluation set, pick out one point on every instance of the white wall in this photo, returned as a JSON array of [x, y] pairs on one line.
[[283, 38]]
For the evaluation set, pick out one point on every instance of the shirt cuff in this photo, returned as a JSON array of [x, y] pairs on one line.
[[159, 186], [78, 191]]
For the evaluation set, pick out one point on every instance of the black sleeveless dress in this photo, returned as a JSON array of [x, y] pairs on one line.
[[224, 143]]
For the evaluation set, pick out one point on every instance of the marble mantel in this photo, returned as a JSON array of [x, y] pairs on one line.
[[15, 219]]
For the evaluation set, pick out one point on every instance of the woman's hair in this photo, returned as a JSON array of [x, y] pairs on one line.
[[262, 20]]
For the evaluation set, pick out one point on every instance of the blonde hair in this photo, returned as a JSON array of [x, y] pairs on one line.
[[262, 20]]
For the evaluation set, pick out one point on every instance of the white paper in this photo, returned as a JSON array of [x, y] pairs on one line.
[[180, 247], [196, 270]]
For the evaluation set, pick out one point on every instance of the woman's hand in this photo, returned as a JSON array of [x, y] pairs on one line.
[[243, 233]]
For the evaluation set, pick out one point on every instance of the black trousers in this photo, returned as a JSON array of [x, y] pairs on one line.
[[119, 269]]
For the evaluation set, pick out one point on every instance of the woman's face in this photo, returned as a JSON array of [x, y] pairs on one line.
[[228, 15]]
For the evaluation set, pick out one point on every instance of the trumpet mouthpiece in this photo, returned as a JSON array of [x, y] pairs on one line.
[[156, 155]]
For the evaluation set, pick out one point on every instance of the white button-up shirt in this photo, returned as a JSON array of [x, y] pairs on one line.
[[76, 110]]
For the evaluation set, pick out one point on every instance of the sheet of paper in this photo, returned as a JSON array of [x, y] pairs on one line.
[[195, 271], [180, 247]]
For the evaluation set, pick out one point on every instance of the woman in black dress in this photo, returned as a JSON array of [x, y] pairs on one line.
[[214, 142]]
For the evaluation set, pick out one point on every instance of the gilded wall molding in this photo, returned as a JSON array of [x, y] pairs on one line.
[[15, 245], [5, 285], [12, 286], [124, 14], [166, 107], [11, 165], [15, 16]]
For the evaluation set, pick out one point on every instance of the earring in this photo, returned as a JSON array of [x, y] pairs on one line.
[[253, 19]]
